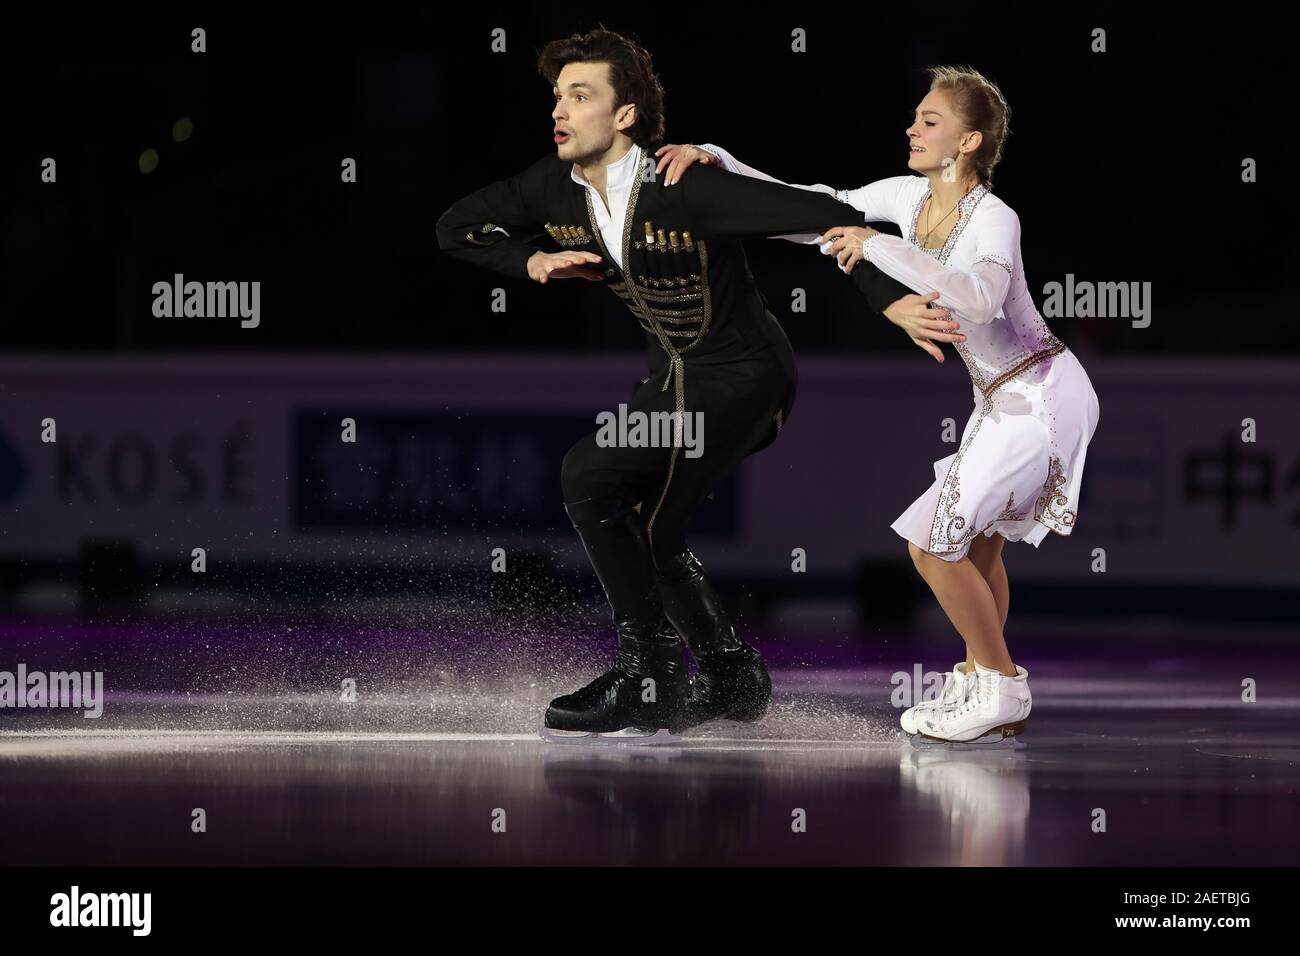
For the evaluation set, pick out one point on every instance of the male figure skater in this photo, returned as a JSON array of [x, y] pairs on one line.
[[673, 255]]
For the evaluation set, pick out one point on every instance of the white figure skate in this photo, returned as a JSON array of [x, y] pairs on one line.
[[997, 707], [956, 687]]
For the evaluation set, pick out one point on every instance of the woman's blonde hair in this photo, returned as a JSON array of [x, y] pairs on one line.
[[978, 105]]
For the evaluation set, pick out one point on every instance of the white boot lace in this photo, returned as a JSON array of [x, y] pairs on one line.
[[984, 687]]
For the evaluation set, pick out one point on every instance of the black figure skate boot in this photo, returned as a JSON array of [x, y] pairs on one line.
[[732, 683], [644, 693]]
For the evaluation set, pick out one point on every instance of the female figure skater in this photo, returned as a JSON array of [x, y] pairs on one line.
[[1016, 474]]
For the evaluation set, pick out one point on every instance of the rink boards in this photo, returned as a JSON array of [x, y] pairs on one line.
[[1193, 476]]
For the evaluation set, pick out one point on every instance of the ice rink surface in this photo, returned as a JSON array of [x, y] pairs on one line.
[[1145, 761]]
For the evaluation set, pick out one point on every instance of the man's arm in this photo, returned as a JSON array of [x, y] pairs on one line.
[[496, 226], [881, 291], [723, 205]]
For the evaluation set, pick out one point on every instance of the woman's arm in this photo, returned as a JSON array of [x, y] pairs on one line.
[[977, 294]]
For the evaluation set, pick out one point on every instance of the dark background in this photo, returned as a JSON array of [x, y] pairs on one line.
[[1123, 166]]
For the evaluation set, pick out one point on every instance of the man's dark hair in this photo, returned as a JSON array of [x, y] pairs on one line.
[[631, 73]]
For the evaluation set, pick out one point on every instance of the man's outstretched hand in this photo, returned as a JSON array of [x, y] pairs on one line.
[[563, 265], [923, 325]]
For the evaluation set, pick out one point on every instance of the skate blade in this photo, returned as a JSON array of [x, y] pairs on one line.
[[627, 737], [1004, 738]]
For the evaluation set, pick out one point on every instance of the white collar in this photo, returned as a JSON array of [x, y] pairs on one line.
[[616, 174]]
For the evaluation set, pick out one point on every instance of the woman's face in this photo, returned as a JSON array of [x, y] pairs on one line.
[[935, 134]]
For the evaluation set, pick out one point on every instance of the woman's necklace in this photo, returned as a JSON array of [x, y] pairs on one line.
[[925, 241]]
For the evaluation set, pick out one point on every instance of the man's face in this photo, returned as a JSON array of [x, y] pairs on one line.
[[586, 117]]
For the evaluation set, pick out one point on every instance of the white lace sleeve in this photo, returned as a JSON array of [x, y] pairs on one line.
[[977, 294], [885, 200]]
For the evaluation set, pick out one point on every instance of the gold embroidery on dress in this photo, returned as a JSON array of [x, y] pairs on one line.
[[948, 531], [976, 374], [946, 521], [1055, 348], [1050, 508], [967, 206], [995, 259], [949, 499]]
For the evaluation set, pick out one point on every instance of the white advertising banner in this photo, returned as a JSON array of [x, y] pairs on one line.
[[1193, 474]]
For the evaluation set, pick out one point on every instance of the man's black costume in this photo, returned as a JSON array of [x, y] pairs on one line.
[[714, 347]]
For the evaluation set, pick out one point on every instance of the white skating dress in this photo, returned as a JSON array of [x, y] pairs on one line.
[[1018, 468]]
